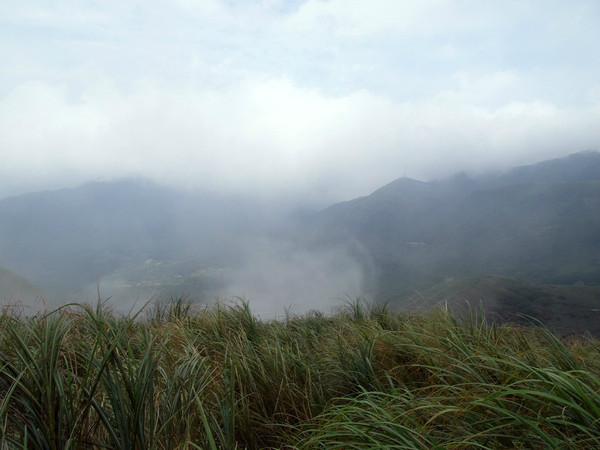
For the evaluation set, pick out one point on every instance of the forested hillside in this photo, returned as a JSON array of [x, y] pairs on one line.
[[539, 223]]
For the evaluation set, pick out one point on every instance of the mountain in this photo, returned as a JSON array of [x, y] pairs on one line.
[[14, 288], [127, 233], [564, 309], [539, 223]]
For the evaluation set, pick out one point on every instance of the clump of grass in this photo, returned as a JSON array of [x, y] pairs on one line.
[[184, 376]]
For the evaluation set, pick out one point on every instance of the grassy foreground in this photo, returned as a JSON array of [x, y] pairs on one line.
[[177, 377]]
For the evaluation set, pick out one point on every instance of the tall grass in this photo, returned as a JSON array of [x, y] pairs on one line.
[[182, 376]]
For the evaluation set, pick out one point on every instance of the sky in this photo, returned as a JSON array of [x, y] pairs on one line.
[[317, 101]]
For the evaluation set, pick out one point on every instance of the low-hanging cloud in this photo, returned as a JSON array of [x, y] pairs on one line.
[[314, 100], [275, 277], [274, 138]]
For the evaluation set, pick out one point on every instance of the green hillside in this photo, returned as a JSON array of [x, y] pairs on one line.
[[564, 309], [540, 223]]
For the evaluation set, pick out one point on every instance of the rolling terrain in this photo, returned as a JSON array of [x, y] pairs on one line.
[[564, 309], [533, 231], [539, 223]]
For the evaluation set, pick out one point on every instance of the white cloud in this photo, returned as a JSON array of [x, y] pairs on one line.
[[273, 136], [357, 18], [321, 99], [274, 276]]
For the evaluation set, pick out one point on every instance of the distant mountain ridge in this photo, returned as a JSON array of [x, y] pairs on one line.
[[14, 288], [540, 223], [582, 166], [75, 237]]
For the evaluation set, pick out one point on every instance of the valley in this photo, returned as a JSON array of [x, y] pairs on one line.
[[532, 231]]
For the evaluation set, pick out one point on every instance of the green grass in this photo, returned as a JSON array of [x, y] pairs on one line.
[[180, 376]]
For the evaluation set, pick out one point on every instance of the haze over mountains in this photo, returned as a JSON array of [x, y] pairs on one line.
[[539, 223]]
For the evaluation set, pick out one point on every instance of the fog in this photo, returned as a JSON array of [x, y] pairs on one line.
[[274, 139], [310, 102], [133, 242], [244, 117], [275, 277]]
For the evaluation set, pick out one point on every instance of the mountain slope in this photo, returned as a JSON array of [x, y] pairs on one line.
[[14, 288], [121, 229], [540, 223], [564, 309]]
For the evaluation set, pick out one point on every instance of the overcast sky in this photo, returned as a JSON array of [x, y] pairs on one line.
[[320, 100]]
